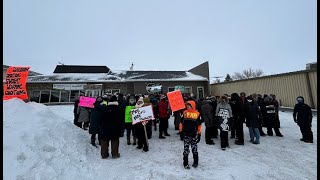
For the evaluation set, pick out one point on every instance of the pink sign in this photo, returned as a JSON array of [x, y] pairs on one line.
[[86, 101]]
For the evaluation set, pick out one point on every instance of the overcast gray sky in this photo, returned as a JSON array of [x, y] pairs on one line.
[[276, 36]]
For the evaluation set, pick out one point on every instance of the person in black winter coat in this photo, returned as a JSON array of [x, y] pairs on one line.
[[276, 105], [271, 117], [302, 115], [75, 113], [95, 120], [208, 118], [214, 103], [235, 106], [111, 128], [263, 111], [122, 106], [243, 104], [252, 118]]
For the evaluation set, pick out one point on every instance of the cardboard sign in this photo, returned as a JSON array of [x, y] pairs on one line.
[[175, 100], [87, 102], [142, 114], [15, 85], [128, 118]]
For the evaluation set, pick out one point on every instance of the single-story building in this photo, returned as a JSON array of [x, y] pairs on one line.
[[68, 81]]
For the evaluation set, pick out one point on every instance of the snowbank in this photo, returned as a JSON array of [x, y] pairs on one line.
[[41, 142]]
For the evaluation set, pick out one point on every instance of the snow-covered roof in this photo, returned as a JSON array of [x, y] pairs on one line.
[[118, 76]]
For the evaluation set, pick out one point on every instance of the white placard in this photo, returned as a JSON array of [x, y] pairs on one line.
[[142, 114]]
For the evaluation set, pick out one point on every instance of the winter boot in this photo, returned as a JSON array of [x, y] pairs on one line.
[[128, 141], [185, 162], [145, 148], [161, 136], [134, 141], [93, 142], [166, 133], [195, 160], [239, 142]]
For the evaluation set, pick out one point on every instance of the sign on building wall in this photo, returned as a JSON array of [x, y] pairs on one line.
[[68, 86], [179, 87], [142, 114], [15, 85], [175, 100]]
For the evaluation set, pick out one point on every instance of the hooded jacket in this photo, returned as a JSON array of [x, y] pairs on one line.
[[207, 113], [111, 121], [302, 113], [190, 124], [224, 113]]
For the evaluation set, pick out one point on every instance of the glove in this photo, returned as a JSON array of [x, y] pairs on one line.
[[198, 138]]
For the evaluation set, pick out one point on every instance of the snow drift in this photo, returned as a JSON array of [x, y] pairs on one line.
[[41, 142]]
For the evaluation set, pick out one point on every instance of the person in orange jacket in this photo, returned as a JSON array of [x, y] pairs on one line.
[[190, 128]]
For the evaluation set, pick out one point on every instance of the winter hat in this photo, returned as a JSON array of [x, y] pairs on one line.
[[268, 99], [162, 96], [249, 98], [224, 97], [113, 99], [254, 96], [140, 99], [235, 97], [300, 99]]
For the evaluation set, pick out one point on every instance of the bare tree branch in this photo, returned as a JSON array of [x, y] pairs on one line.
[[247, 73]]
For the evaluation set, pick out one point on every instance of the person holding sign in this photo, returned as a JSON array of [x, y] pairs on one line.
[[140, 130], [190, 129], [110, 128], [95, 120]]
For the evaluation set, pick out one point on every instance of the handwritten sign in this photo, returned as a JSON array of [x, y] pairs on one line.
[[15, 85], [175, 100], [86, 102], [142, 114], [128, 118]]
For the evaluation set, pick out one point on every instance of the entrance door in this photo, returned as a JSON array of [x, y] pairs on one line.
[[200, 91]]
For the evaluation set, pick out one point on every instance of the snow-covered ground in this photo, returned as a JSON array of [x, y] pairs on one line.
[[41, 142]]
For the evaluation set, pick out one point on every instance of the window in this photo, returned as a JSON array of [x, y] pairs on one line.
[[74, 94], [111, 91], [34, 96], [45, 96], [65, 96], [170, 89], [55, 95], [188, 89], [200, 91]]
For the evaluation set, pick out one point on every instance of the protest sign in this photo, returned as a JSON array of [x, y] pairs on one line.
[[175, 100], [128, 118], [87, 101], [15, 85], [142, 114]]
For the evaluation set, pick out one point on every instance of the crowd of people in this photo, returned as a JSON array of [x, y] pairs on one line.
[[106, 121]]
